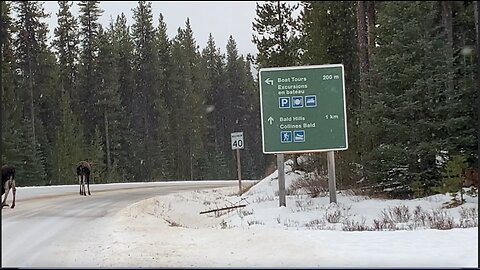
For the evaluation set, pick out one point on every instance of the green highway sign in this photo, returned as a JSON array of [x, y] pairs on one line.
[[303, 109]]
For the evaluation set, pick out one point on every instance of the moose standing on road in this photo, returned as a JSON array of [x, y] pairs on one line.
[[8, 182], [83, 173]]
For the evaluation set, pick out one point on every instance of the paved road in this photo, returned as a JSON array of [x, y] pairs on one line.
[[47, 218]]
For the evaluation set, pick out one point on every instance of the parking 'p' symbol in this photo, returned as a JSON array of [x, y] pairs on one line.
[[284, 102]]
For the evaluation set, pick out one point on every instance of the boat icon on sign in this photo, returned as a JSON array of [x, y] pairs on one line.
[[311, 101]]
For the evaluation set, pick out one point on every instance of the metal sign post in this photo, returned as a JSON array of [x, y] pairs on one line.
[[237, 144], [331, 176], [281, 180]]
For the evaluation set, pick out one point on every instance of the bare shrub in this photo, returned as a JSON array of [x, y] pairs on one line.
[[335, 213], [439, 219], [223, 224], [313, 185], [291, 223], [263, 199], [316, 224], [397, 214], [303, 205], [245, 213], [253, 222], [333, 216], [420, 216], [383, 224], [468, 217], [352, 225]]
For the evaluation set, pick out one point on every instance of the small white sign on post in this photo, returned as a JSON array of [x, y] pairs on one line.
[[237, 144], [237, 140]]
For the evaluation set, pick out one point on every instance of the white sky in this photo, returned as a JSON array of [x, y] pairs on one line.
[[222, 19]]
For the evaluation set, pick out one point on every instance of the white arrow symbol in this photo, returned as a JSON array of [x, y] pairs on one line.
[[270, 120], [269, 81]]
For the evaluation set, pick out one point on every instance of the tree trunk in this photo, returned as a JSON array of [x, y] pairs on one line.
[[282, 40], [371, 28], [362, 43], [2, 38], [448, 26], [32, 111], [107, 145], [477, 81]]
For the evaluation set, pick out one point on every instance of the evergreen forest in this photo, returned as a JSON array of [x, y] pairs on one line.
[[143, 106]]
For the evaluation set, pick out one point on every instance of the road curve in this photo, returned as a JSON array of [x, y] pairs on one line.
[[35, 232]]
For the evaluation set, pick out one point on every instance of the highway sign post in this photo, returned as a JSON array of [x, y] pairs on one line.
[[303, 109], [237, 144]]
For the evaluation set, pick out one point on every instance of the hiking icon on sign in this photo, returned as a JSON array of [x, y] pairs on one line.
[[286, 136]]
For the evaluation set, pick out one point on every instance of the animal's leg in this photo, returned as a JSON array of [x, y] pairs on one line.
[[83, 186], [14, 190], [7, 189], [88, 185], [80, 183]]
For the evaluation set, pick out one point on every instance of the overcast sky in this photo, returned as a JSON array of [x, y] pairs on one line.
[[222, 19]]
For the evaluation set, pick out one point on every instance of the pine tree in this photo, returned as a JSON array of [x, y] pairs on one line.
[[235, 96], [108, 103], [34, 64], [146, 81], [85, 96], [453, 178], [97, 158], [30, 41], [217, 107], [408, 91], [10, 110], [66, 43], [276, 34], [329, 35], [123, 47], [161, 107], [68, 148], [30, 165], [189, 88]]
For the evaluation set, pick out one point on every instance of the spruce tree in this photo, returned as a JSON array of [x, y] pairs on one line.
[[11, 113], [276, 34], [66, 44], [97, 158], [328, 37], [217, 107], [85, 97], [68, 149], [162, 108], [123, 46], [108, 103], [409, 90], [146, 89]]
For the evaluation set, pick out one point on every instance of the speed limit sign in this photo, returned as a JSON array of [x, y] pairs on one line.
[[237, 140]]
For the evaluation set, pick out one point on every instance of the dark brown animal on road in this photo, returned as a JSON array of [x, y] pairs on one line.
[[8, 182], [83, 172]]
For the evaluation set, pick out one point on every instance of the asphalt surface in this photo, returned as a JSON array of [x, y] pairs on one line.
[[43, 223]]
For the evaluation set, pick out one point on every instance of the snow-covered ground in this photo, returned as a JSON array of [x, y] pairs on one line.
[[169, 231]]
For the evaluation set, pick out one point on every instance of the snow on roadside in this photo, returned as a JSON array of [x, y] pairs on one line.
[[169, 231]]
